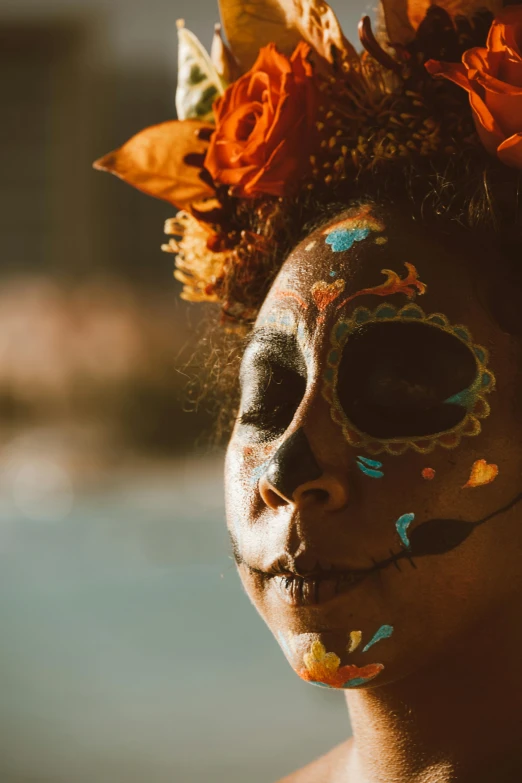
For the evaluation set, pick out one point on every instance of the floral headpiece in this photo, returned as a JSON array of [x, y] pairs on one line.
[[289, 114]]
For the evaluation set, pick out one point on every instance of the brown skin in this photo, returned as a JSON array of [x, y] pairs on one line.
[[439, 710]]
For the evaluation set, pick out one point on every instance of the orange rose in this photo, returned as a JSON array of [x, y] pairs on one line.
[[264, 123], [493, 78]]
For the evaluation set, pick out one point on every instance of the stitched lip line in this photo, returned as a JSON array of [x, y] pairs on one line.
[[431, 537], [308, 591]]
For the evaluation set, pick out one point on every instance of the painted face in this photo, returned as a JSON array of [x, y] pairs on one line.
[[374, 471]]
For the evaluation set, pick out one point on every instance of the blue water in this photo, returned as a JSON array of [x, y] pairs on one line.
[[129, 651]]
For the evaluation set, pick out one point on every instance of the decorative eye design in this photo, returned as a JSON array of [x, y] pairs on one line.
[[399, 379]]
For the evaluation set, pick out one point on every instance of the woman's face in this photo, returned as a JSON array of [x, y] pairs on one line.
[[373, 474]]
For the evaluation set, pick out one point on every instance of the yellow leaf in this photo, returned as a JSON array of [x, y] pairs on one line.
[[199, 83], [401, 18], [251, 25], [154, 161]]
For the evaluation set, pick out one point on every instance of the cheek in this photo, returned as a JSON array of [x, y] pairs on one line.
[[244, 466]]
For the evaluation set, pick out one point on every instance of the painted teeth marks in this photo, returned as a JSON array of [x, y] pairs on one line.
[[402, 526], [370, 467], [475, 409]]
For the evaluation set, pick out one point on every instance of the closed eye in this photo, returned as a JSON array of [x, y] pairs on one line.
[[274, 402], [273, 384]]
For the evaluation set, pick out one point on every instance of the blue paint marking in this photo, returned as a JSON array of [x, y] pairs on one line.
[[369, 472], [462, 333], [333, 273], [386, 311], [370, 467], [284, 644], [413, 313], [361, 315], [402, 526], [384, 632], [258, 472], [479, 353], [437, 319], [344, 238], [341, 330], [372, 463], [357, 681], [464, 399]]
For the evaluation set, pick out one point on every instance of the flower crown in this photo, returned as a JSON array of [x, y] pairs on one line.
[[288, 114]]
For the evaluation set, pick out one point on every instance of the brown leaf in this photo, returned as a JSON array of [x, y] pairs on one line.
[[401, 18], [154, 162], [251, 26]]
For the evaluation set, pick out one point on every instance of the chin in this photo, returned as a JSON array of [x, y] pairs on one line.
[[330, 630]]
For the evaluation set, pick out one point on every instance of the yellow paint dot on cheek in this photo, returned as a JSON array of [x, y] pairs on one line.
[[482, 473]]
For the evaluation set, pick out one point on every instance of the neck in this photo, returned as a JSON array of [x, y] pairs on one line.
[[457, 721]]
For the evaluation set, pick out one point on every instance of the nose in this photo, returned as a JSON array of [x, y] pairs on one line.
[[293, 476]]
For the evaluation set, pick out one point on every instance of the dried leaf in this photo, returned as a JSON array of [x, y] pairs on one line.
[[199, 83], [154, 161], [402, 17], [250, 26], [222, 58]]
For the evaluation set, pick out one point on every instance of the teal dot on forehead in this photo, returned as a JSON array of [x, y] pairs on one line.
[[333, 273]]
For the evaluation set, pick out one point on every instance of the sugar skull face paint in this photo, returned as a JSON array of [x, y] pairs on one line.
[[324, 668], [321, 553], [356, 227], [399, 379], [481, 473]]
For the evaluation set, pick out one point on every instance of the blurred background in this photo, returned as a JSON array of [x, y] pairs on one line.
[[129, 652]]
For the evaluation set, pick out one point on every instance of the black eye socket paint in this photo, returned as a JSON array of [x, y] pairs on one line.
[[394, 379], [293, 464]]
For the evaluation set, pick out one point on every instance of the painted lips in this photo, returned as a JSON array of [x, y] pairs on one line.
[[309, 591]]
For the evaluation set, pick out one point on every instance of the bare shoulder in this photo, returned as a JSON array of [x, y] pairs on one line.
[[329, 768]]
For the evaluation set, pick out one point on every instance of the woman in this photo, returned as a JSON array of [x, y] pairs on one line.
[[358, 219]]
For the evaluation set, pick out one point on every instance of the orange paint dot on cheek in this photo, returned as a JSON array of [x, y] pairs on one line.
[[428, 474]]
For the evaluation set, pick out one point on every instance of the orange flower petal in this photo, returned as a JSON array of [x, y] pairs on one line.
[[506, 30], [488, 129], [510, 151], [507, 111], [153, 161], [455, 72]]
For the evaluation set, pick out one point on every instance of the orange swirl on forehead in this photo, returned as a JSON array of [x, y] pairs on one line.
[[409, 285]]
